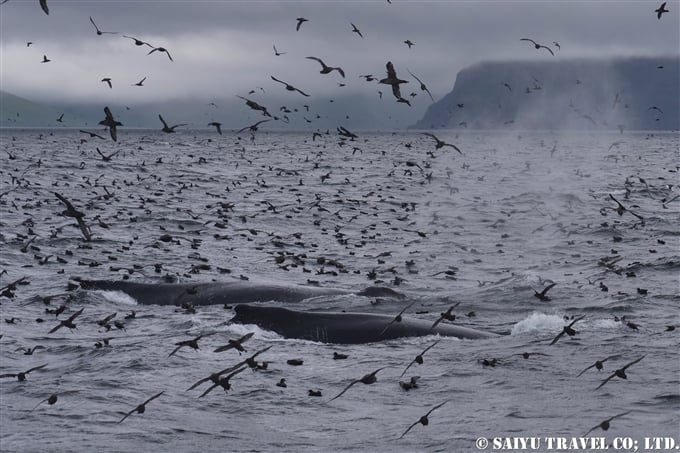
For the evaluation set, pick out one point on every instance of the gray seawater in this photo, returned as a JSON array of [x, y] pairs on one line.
[[517, 211]]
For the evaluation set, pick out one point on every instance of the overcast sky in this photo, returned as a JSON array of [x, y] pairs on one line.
[[224, 48]]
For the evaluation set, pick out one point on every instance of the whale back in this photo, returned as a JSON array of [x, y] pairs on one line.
[[344, 328]]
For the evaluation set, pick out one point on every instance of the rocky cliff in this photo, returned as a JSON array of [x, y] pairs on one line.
[[631, 93]]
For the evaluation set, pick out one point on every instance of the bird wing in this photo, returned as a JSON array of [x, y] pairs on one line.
[[342, 73], [606, 380], [162, 120], [346, 388], [409, 366], [317, 59], [409, 429], [591, 429], [277, 80], [559, 335], [454, 147], [75, 315], [127, 415], [109, 115], [415, 77], [43, 5], [227, 347], [209, 390], [175, 350], [527, 39], [231, 375], [435, 408], [634, 362], [576, 320], [95, 25], [591, 366], [153, 398], [441, 318], [430, 347], [619, 415], [548, 49]]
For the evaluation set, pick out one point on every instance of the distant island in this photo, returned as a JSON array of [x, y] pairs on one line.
[[580, 94]]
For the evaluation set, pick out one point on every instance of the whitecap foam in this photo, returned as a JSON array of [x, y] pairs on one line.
[[538, 322], [118, 297]]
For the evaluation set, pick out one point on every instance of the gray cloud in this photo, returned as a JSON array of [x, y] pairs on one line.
[[225, 48]]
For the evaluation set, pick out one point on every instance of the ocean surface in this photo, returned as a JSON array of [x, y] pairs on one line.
[[487, 229]]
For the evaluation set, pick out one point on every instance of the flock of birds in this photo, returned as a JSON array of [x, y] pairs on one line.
[[222, 378]]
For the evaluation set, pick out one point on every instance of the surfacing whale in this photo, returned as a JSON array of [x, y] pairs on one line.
[[237, 292], [344, 328]]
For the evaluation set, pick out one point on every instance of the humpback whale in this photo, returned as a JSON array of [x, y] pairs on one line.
[[344, 328], [237, 292]]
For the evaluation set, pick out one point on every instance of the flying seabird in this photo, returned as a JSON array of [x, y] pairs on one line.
[[393, 80], [289, 87], [441, 144], [255, 106], [61, 118], [21, 376], [99, 32], [106, 158], [300, 21], [422, 85], [236, 344], [138, 42], [50, 400], [277, 53], [253, 128], [327, 69], [140, 83], [419, 358], [161, 49], [110, 123], [568, 330], [397, 318], [538, 46], [224, 381], [141, 408], [662, 9], [45, 59], [448, 315], [217, 125], [424, 420], [599, 364], [408, 43], [621, 372], [543, 295], [367, 379], [356, 30], [68, 322], [167, 129], [605, 424], [108, 81]]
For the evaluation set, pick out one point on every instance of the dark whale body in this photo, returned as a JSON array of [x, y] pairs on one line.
[[237, 292], [344, 328]]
